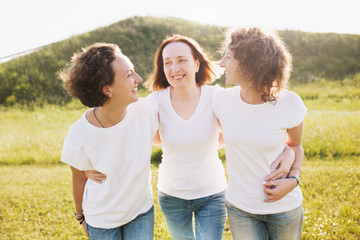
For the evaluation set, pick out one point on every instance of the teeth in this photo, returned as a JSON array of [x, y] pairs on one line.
[[178, 77]]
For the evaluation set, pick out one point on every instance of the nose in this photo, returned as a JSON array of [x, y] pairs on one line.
[[138, 79], [222, 63], [175, 67]]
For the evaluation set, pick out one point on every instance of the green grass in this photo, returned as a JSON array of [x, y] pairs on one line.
[[36, 198], [331, 190], [36, 202]]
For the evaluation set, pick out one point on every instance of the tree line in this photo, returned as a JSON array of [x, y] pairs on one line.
[[33, 79]]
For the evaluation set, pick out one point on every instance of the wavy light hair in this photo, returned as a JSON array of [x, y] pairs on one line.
[[208, 70], [263, 58]]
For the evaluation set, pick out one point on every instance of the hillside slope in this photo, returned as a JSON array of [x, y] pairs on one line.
[[33, 78]]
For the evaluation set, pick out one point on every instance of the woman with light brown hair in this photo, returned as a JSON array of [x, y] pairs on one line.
[[258, 118], [191, 176]]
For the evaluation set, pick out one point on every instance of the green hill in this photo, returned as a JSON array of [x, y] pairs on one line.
[[33, 78]]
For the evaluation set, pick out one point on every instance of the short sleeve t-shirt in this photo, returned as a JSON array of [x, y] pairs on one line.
[[122, 152], [255, 136]]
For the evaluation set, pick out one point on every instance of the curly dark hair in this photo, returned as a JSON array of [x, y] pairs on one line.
[[263, 58], [89, 72], [208, 70]]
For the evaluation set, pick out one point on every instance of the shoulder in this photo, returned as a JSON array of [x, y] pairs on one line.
[[160, 94], [211, 90], [75, 134], [225, 93], [146, 109], [79, 125], [292, 102], [290, 97], [145, 104]]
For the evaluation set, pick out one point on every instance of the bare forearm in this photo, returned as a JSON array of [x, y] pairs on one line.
[[295, 169], [79, 181]]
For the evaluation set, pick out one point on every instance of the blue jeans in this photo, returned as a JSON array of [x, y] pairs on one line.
[[142, 227], [209, 213], [279, 226]]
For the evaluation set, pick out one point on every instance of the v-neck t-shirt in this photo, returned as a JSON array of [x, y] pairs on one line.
[[190, 166]]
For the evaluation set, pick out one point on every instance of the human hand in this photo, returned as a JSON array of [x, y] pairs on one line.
[[85, 227], [95, 176], [277, 189], [282, 164]]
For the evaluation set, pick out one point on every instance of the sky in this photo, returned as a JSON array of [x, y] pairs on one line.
[[28, 24]]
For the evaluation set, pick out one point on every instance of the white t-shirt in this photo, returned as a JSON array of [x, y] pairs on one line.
[[255, 136], [190, 167], [122, 152]]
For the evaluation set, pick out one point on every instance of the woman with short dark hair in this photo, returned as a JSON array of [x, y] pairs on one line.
[[115, 137]]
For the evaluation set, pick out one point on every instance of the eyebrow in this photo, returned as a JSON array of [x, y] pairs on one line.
[[176, 57]]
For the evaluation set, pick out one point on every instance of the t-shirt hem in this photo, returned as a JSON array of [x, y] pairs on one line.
[[92, 222], [193, 195], [289, 207]]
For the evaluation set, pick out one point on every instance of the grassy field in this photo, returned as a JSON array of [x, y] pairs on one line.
[[36, 200]]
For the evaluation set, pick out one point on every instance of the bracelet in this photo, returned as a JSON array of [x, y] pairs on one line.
[[295, 168], [80, 217], [297, 180], [77, 205]]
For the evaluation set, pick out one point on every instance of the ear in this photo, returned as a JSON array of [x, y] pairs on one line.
[[107, 91], [197, 65]]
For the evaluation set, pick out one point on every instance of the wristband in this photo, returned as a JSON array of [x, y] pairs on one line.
[[80, 217], [297, 180]]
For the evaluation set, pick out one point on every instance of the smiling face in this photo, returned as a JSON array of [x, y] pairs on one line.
[[126, 80], [180, 66]]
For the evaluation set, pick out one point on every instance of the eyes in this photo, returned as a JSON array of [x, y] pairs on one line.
[[227, 56], [129, 73], [168, 62]]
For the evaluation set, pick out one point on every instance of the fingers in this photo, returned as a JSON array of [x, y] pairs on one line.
[[100, 176], [85, 228], [269, 191], [97, 181], [95, 176], [269, 197], [277, 174], [270, 201], [276, 163]]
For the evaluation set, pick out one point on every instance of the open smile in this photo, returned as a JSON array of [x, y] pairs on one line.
[[178, 77], [134, 90]]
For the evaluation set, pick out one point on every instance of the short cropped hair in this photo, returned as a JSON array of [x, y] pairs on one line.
[[208, 70], [263, 58], [90, 72]]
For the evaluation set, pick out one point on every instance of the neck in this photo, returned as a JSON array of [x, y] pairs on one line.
[[251, 96], [112, 114]]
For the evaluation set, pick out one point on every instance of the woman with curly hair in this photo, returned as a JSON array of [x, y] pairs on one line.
[[191, 183], [108, 138], [258, 118]]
